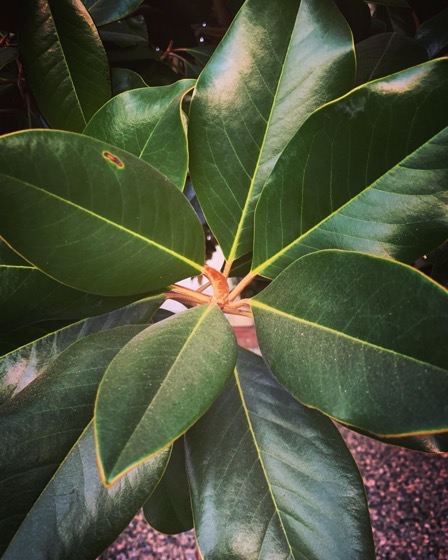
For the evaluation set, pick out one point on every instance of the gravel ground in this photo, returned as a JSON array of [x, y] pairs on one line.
[[408, 500]]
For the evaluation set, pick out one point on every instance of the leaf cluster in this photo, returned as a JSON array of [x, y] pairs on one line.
[[309, 139]]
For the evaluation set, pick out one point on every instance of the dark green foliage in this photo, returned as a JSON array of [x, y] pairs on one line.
[[316, 136]]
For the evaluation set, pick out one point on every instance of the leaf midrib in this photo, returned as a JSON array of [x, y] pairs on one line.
[[17, 266], [260, 459], [244, 213], [207, 310], [372, 186], [159, 119], [78, 102], [42, 493], [340, 334], [108, 222]]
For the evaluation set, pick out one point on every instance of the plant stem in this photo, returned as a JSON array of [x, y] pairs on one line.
[[240, 303], [187, 291], [203, 287], [192, 295], [234, 311], [240, 287], [227, 268]]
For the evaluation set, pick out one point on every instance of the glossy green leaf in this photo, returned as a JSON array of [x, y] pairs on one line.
[[43, 421], [93, 216], [28, 296], [159, 385], [246, 109], [360, 338], [11, 340], [241, 266], [124, 79], [10, 257], [386, 53], [433, 34], [426, 443], [21, 367], [107, 11], [126, 33], [168, 509], [364, 173], [93, 516], [64, 60], [148, 123], [271, 478]]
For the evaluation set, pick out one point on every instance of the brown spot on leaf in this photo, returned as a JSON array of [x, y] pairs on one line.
[[114, 159]]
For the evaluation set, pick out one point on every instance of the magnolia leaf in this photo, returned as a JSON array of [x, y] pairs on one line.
[[24, 365], [93, 516], [386, 53], [124, 79], [69, 77], [271, 478], [246, 109], [11, 340], [364, 173], [426, 443], [28, 296], [93, 216], [362, 339], [126, 33], [241, 266], [107, 11], [41, 424], [168, 509], [433, 34], [159, 385], [148, 123], [10, 257]]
